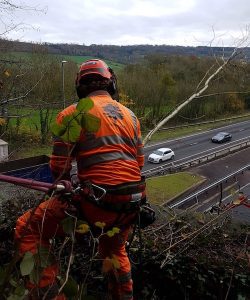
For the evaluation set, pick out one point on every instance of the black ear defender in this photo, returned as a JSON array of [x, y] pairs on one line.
[[112, 88]]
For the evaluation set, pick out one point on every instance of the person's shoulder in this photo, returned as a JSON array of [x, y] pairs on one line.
[[66, 111], [128, 110], [69, 109]]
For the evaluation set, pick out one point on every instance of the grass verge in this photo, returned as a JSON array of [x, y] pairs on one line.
[[162, 189]]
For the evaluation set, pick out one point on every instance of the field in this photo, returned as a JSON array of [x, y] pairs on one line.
[[79, 59], [74, 58], [30, 118]]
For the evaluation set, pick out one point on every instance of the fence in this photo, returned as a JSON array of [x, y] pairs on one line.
[[196, 197]]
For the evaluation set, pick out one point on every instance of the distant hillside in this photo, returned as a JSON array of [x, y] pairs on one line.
[[121, 54]]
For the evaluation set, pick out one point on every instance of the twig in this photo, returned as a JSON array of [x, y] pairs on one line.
[[71, 256], [193, 234], [23, 96]]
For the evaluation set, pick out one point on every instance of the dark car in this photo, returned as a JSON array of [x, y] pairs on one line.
[[221, 137]]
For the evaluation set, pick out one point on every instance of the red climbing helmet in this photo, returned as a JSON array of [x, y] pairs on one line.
[[93, 66]]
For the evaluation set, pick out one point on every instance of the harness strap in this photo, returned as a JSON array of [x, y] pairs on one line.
[[117, 203], [123, 207], [122, 198], [126, 188]]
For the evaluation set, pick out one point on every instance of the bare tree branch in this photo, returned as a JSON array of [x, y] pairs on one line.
[[201, 88], [222, 93], [9, 11], [4, 102]]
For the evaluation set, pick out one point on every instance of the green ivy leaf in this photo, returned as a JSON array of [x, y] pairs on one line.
[[77, 116], [113, 231], [90, 122], [20, 291], [45, 257], [100, 224], [72, 132], [57, 129], [71, 288], [35, 275], [70, 129], [27, 264], [116, 229], [13, 282], [68, 225], [84, 104], [67, 120], [110, 233]]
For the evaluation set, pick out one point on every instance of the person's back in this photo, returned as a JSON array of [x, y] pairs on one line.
[[112, 155], [109, 156]]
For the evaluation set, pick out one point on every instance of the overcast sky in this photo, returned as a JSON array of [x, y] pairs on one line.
[[129, 22]]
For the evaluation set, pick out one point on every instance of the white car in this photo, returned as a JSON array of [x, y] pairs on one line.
[[160, 155]]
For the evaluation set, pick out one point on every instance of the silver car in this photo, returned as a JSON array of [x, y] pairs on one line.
[[160, 155]]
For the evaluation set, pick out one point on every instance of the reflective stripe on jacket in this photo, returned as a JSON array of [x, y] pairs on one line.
[[110, 156]]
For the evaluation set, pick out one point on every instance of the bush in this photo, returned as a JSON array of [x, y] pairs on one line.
[[181, 256]]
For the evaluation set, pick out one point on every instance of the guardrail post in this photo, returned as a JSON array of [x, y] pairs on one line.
[[221, 196]]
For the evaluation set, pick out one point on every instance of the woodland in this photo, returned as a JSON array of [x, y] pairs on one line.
[[152, 88], [126, 54]]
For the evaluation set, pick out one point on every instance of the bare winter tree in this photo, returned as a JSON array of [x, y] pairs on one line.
[[15, 83], [9, 10], [219, 65]]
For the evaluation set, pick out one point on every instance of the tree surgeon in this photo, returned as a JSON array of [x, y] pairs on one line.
[[110, 157]]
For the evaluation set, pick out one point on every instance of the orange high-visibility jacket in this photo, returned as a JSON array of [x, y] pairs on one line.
[[110, 156]]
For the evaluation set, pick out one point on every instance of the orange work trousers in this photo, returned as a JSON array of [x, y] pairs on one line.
[[38, 226]]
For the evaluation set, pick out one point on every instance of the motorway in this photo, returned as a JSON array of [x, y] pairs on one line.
[[189, 146], [186, 147]]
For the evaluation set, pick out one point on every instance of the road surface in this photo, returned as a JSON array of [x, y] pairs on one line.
[[187, 146]]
